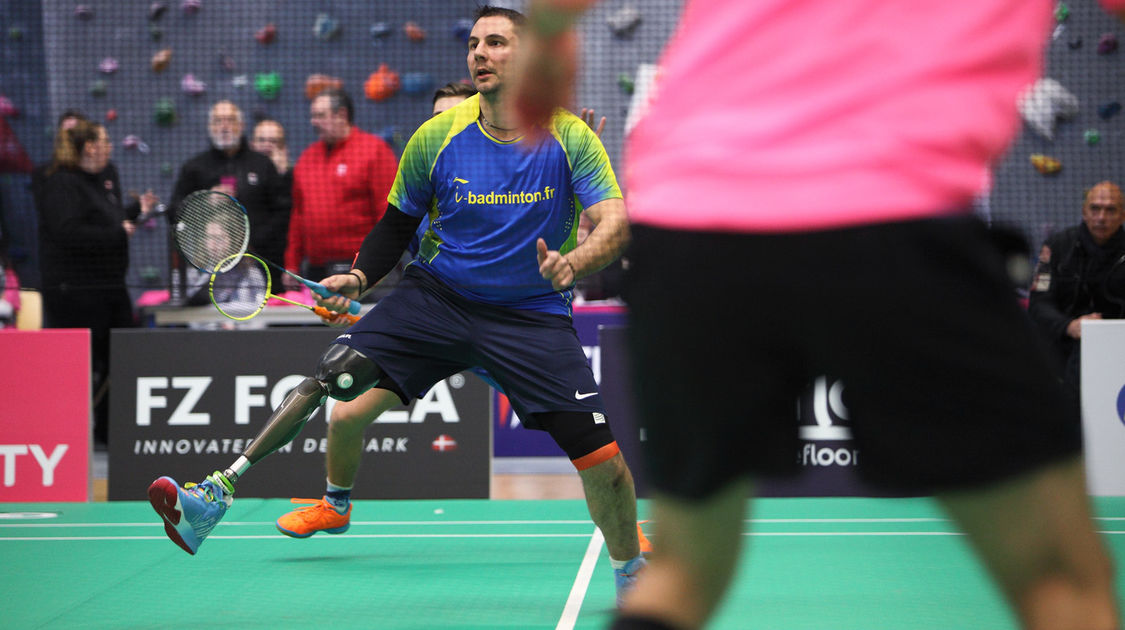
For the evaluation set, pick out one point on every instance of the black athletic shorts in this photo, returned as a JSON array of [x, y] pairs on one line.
[[423, 332], [945, 380]]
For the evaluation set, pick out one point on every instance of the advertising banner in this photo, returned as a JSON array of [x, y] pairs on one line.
[[1103, 405], [45, 415], [187, 403], [827, 457], [510, 437]]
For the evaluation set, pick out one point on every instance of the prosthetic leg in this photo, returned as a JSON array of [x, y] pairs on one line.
[[343, 373]]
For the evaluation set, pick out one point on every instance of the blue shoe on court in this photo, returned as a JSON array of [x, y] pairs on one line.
[[626, 577], [191, 512]]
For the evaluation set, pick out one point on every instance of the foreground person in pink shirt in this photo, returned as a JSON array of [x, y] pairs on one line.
[[823, 190]]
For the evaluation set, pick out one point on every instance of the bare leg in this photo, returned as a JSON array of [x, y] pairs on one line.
[[695, 550], [345, 432], [1036, 537], [612, 502]]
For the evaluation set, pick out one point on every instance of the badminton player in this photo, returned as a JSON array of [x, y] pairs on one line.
[[828, 175]]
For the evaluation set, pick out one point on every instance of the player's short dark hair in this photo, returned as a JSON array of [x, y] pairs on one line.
[[338, 98], [456, 88], [518, 19]]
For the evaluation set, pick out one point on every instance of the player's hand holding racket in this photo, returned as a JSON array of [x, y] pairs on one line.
[[345, 288]]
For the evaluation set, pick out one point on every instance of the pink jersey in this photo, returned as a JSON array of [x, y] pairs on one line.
[[790, 115]]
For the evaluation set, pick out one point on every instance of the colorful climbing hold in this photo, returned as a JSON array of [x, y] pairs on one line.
[[191, 7], [381, 84], [379, 30], [110, 115], [108, 65], [417, 83], [240, 81], [15, 33], [267, 85], [326, 27], [1107, 44], [164, 112], [316, 83], [1109, 110], [267, 34], [414, 32], [161, 60], [98, 88], [134, 143], [1045, 164], [156, 10], [623, 21], [462, 28], [1092, 137], [1062, 12], [626, 83], [192, 86]]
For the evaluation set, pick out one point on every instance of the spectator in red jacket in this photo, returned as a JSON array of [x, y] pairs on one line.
[[340, 187]]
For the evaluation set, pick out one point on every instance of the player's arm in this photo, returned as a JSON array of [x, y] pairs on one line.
[[547, 72], [604, 245], [380, 251]]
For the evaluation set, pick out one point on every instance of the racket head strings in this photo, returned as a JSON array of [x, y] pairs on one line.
[[242, 291], [212, 230]]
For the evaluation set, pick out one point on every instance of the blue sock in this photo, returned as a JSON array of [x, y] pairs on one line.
[[338, 497]]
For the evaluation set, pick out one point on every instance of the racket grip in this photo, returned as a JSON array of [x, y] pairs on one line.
[[323, 292], [327, 314]]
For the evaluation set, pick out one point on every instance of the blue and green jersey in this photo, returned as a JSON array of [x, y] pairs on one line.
[[488, 201]]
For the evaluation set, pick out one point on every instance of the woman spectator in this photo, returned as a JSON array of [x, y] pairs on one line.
[[84, 232]]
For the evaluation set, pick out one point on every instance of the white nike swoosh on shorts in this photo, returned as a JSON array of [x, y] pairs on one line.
[[578, 396]]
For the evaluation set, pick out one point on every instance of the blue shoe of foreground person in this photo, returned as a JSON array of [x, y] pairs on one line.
[[626, 577], [191, 512]]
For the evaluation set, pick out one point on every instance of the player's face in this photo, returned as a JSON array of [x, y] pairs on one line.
[[330, 126], [492, 46], [1102, 213], [446, 102], [225, 126]]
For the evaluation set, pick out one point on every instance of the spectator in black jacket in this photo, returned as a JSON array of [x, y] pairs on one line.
[[232, 167], [84, 232], [1070, 283]]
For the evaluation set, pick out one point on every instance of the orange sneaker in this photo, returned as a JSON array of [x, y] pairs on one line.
[[646, 546], [318, 516]]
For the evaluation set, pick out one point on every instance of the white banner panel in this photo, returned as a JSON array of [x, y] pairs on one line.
[[1103, 405]]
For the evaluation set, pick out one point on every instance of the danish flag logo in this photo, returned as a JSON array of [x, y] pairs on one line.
[[444, 443]]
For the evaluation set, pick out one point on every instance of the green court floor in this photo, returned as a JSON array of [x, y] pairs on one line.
[[809, 563]]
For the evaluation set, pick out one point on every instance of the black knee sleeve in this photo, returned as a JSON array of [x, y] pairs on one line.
[[579, 433], [347, 373]]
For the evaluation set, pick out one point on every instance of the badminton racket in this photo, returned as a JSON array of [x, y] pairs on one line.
[[213, 230], [242, 291]]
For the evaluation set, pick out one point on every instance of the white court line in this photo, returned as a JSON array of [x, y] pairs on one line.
[[354, 536], [560, 522], [280, 537], [581, 582], [376, 523]]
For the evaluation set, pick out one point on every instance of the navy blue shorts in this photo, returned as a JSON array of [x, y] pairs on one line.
[[423, 332]]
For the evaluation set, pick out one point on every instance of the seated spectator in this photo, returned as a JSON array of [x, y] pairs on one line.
[[1070, 284]]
